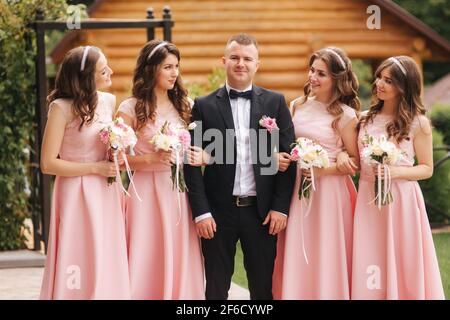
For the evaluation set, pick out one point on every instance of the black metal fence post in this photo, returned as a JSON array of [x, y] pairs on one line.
[[150, 31], [43, 181], [167, 24]]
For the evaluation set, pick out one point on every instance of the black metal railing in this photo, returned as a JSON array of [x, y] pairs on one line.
[[445, 158], [41, 195]]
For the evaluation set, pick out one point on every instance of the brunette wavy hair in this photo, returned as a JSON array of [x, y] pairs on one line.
[[144, 82], [345, 82], [409, 86], [78, 85]]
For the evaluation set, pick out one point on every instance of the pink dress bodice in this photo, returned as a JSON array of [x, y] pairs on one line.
[[85, 145], [312, 120]]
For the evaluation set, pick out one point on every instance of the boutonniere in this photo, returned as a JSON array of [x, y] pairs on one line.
[[268, 123]]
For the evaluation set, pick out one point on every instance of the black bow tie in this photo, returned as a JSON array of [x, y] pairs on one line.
[[246, 94]]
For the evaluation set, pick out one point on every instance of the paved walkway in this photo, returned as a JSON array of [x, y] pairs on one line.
[[25, 284], [20, 283], [445, 229]]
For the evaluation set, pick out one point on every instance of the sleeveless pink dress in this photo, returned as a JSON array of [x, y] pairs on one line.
[[86, 254], [393, 250], [165, 259], [327, 229]]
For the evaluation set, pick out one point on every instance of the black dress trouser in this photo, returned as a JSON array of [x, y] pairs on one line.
[[259, 250]]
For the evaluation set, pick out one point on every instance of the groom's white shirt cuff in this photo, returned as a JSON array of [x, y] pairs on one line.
[[203, 216], [208, 215]]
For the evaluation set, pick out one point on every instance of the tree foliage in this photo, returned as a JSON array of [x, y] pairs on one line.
[[436, 14], [17, 104]]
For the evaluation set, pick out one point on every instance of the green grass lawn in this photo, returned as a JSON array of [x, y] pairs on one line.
[[239, 276], [441, 242]]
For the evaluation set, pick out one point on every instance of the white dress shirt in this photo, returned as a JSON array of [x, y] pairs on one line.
[[244, 179]]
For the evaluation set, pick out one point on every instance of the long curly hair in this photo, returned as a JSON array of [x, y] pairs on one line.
[[78, 85], [345, 82], [144, 82], [409, 87]]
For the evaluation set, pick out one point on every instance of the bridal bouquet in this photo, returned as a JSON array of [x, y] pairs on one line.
[[178, 139], [118, 136], [382, 153], [309, 155]]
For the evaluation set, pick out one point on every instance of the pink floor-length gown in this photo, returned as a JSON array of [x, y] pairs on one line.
[[86, 256], [327, 229], [393, 250], [164, 251]]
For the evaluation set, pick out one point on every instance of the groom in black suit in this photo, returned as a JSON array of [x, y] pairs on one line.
[[241, 195]]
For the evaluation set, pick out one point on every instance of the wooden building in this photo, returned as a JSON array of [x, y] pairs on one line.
[[288, 31]]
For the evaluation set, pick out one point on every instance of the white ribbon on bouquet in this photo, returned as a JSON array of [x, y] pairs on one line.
[[307, 203], [128, 169], [382, 191], [177, 179]]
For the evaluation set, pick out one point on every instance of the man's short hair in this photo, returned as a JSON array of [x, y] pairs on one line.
[[243, 39]]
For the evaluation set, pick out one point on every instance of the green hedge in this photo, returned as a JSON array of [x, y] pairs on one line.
[[440, 116], [437, 189], [17, 103]]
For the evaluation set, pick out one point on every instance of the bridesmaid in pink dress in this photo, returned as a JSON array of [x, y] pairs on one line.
[[164, 251], [314, 252], [393, 250], [86, 253]]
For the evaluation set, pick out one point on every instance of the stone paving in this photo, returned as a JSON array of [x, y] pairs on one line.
[[20, 283], [25, 284]]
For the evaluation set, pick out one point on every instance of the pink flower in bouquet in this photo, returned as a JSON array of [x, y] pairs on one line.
[[269, 123], [185, 138], [104, 136], [295, 153]]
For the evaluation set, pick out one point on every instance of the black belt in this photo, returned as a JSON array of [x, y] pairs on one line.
[[244, 201]]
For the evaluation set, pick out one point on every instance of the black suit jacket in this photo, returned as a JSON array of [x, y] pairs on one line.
[[213, 191]]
